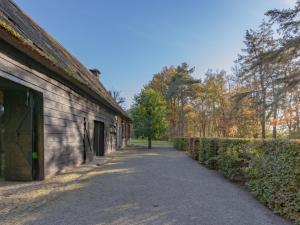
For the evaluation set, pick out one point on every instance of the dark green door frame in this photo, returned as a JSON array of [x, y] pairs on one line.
[[23, 132]]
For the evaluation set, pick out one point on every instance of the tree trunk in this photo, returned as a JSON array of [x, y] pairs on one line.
[[264, 104], [275, 109], [297, 119], [203, 128], [181, 117], [263, 125], [263, 113], [275, 125], [289, 124], [149, 142]]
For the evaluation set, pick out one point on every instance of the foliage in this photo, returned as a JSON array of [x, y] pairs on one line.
[[260, 98], [275, 177], [204, 108], [234, 156], [194, 148], [155, 143], [208, 152], [181, 144], [288, 22], [176, 86], [148, 115], [270, 168], [180, 91], [255, 76], [190, 145], [160, 83]]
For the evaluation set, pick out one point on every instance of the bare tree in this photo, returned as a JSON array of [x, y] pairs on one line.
[[117, 97]]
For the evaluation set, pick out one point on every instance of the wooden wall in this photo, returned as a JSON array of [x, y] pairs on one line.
[[64, 113], [123, 133]]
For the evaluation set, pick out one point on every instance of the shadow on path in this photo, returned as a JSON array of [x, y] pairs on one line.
[[158, 186]]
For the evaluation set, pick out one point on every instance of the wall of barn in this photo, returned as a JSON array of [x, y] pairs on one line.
[[64, 115], [123, 133]]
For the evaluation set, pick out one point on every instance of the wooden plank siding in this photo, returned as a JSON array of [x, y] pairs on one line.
[[64, 113]]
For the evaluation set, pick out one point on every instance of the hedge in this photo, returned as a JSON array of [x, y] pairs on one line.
[[269, 168], [181, 144], [194, 146]]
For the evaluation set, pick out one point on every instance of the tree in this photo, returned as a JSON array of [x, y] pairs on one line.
[[289, 38], [288, 21], [256, 75], [117, 97], [149, 115], [262, 95], [181, 91], [212, 104], [160, 83], [175, 86]]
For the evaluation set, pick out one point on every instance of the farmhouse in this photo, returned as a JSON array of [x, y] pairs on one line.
[[54, 112]]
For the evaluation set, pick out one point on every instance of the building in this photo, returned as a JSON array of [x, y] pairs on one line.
[[54, 112]]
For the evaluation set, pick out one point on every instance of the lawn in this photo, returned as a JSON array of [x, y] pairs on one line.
[[144, 143]]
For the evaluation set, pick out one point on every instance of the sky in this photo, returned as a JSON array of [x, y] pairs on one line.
[[130, 40]]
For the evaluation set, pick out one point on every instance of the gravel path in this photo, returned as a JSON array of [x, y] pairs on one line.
[[161, 186]]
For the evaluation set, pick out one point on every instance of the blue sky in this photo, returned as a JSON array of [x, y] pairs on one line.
[[130, 40]]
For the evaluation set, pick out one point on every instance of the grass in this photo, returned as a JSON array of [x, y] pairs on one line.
[[144, 143]]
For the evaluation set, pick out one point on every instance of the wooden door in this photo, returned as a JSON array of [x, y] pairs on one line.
[[18, 135], [99, 138]]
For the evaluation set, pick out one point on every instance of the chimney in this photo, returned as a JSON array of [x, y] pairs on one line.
[[96, 73]]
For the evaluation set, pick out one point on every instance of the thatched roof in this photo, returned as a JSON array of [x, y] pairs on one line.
[[23, 33]]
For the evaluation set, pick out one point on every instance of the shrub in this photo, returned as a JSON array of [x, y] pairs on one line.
[[181, 144], [270, 168], [234, 158], [208, 152], [195, 142], [275, 177]]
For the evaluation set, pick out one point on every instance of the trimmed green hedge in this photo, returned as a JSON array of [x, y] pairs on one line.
[[234, 156], [190, 145], [194, 148], [275, 177], [209, 152], [269, 168], [181, 144]]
